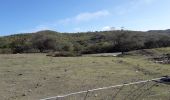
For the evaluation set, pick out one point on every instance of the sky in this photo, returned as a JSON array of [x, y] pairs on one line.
[[24, 16]]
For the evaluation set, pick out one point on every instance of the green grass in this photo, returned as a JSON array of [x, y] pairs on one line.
[[35, 76]]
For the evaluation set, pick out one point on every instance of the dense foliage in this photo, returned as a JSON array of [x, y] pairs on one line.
[[88, 42]]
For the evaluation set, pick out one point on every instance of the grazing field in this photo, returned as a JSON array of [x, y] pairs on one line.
[[36, 76]]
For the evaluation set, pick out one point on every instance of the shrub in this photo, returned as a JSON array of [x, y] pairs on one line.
[[5, 51], [63, 54], [44, 42]]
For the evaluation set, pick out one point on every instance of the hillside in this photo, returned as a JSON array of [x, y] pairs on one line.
[[83, 43], [160, 31]]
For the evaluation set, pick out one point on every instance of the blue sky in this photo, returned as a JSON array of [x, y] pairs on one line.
[[18, 16]]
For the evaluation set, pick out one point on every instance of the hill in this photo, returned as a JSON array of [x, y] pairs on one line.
[[83, 43], [160, 31]]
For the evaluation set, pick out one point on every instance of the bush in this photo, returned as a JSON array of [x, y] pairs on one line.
[[63, 54], [6, 51], [43, 42]]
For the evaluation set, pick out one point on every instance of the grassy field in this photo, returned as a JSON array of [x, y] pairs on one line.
[[36, 76]]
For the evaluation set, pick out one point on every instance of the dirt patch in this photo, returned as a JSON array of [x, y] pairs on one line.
[[164, 59], [145, 52]]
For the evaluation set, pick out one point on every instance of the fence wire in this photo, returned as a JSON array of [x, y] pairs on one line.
[[141, 90]]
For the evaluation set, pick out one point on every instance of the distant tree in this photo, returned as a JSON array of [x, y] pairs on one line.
[[44, 42], [164, 41], [126, 41], [19, 45], [87, 42], [78, 47], [2, 43], [68, 47], [151, 42]]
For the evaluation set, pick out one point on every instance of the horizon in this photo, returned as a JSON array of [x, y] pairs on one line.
[[79, 32], [81, 16]]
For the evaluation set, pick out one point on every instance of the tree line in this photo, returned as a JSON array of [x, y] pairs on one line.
[[83, 43]]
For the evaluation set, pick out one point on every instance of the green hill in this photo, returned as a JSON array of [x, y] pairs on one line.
[[87, 42]]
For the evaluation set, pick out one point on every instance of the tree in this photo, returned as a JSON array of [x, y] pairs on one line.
[[68, 47], [126, 41], [44, 42], [20, 45]]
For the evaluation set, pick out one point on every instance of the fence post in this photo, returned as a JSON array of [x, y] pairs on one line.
[[86, 94], [144, 92], [132, 92], [114, 96], [58, 98]]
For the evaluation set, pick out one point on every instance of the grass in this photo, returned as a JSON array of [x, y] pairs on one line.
[[150, 52], [35, 76]]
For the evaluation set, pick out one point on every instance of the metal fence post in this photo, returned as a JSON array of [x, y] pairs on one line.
[[114, 96], [86, 95]]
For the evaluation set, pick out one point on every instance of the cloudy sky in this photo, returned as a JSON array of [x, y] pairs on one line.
[[17, 16]]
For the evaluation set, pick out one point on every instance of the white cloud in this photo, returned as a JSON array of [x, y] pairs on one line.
[[42, 27], [77, 29], [87, 16], [108, 28], [37, 28], [82, 17]]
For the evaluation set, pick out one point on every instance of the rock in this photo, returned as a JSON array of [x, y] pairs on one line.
[[41, 70], [38, 85], [29, 90], [93, 62], [23, 94], [58, 77], [44, 78], [20, 74], [120, 61]]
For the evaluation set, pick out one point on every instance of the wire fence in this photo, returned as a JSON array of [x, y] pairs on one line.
[[141, 90]]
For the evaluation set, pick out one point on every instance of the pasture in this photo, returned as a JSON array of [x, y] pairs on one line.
[[36, 76]]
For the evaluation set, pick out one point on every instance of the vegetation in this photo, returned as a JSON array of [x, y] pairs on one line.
[[35, 76], [84, 43], [63, 54]]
